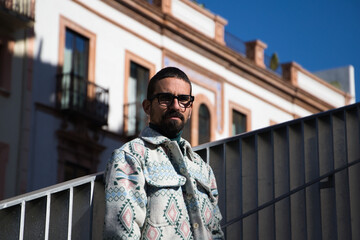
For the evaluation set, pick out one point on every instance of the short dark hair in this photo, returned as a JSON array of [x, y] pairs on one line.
[[166, 73]]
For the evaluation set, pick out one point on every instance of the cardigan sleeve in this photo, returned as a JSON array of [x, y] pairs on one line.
[[216, 231], [125, 197]]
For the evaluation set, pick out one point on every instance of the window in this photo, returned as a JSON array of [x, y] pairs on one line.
[[76, 54], [75, 70], [137, 74], [204, 124], [238, 122], [6, 48], [239, 119], [138, 80]]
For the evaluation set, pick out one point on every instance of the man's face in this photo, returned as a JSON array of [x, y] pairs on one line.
[[170, 119]]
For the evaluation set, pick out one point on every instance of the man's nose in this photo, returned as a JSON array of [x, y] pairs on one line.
[[175, 104]]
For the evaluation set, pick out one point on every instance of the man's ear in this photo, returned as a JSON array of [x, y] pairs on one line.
[[146, 106]]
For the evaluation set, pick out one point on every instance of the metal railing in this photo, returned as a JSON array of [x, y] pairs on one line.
[[267, 62], [295, 180], [23, 8], [235, 43], [70, 210], [76, 95]]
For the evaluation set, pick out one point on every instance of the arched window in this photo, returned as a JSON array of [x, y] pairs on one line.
[[204, 124]]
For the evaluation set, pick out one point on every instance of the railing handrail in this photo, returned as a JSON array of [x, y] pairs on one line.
[[43, 192], [265, 129]]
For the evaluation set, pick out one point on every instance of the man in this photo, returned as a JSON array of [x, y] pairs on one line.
[[156, 186]]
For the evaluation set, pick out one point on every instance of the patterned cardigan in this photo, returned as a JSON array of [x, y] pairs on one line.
[[158, 189]]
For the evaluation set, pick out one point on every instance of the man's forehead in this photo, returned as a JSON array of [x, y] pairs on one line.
[[171, 82]]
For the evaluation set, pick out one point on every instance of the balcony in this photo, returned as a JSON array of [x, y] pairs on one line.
[[295, 180], [15, 14], [79, 98]]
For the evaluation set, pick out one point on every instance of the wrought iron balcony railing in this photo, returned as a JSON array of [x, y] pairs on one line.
[[79, 97], [25, 9]]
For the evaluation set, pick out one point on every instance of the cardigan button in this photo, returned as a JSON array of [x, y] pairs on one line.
[[196, 225]]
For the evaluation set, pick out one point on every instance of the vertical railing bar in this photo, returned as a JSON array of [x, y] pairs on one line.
[[92, 184], [208, 155], [257, 181], [333, 167], [71, 202], [304, 172], [47, 220], [242, 189], [91, 206], [289, 177], [224, 176], [22, 220], [318, 166], [347, 161], [273, 179]]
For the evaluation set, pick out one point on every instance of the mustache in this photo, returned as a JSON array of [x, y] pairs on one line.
[[174, 114]]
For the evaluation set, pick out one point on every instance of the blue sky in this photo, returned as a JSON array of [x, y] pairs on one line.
[[317, 34]]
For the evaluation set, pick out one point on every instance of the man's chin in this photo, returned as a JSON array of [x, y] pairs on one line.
[[172, 127]]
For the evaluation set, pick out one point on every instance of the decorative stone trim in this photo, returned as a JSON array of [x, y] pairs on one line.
[[255, 52], [220, 29], [289, 71]]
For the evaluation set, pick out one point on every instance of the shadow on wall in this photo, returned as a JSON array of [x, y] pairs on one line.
[[49, 135]]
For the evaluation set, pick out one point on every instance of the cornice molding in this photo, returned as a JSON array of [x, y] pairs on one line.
[[173, 28]]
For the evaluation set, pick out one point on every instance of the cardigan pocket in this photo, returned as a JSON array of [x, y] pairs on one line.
[[165, 204]]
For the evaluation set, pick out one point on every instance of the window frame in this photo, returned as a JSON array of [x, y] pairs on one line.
[[241, 109], [132, 57], [194, 132], [68, 24]]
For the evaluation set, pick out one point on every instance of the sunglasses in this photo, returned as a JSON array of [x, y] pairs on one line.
[[166, 99]]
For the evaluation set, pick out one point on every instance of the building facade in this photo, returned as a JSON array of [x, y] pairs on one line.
[[16, 65], [88, 63]]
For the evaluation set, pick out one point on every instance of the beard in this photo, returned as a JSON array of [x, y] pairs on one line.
[[169, 127]]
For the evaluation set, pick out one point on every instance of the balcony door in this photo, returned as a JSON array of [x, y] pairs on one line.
[[75, 70], [138, 80]]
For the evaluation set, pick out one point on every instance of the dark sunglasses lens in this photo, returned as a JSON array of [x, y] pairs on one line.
[[184, 98], [165, 98], [168, 98]]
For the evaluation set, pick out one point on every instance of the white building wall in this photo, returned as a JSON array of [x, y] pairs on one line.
[[192, 17], [117, 33], [320, 90]]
